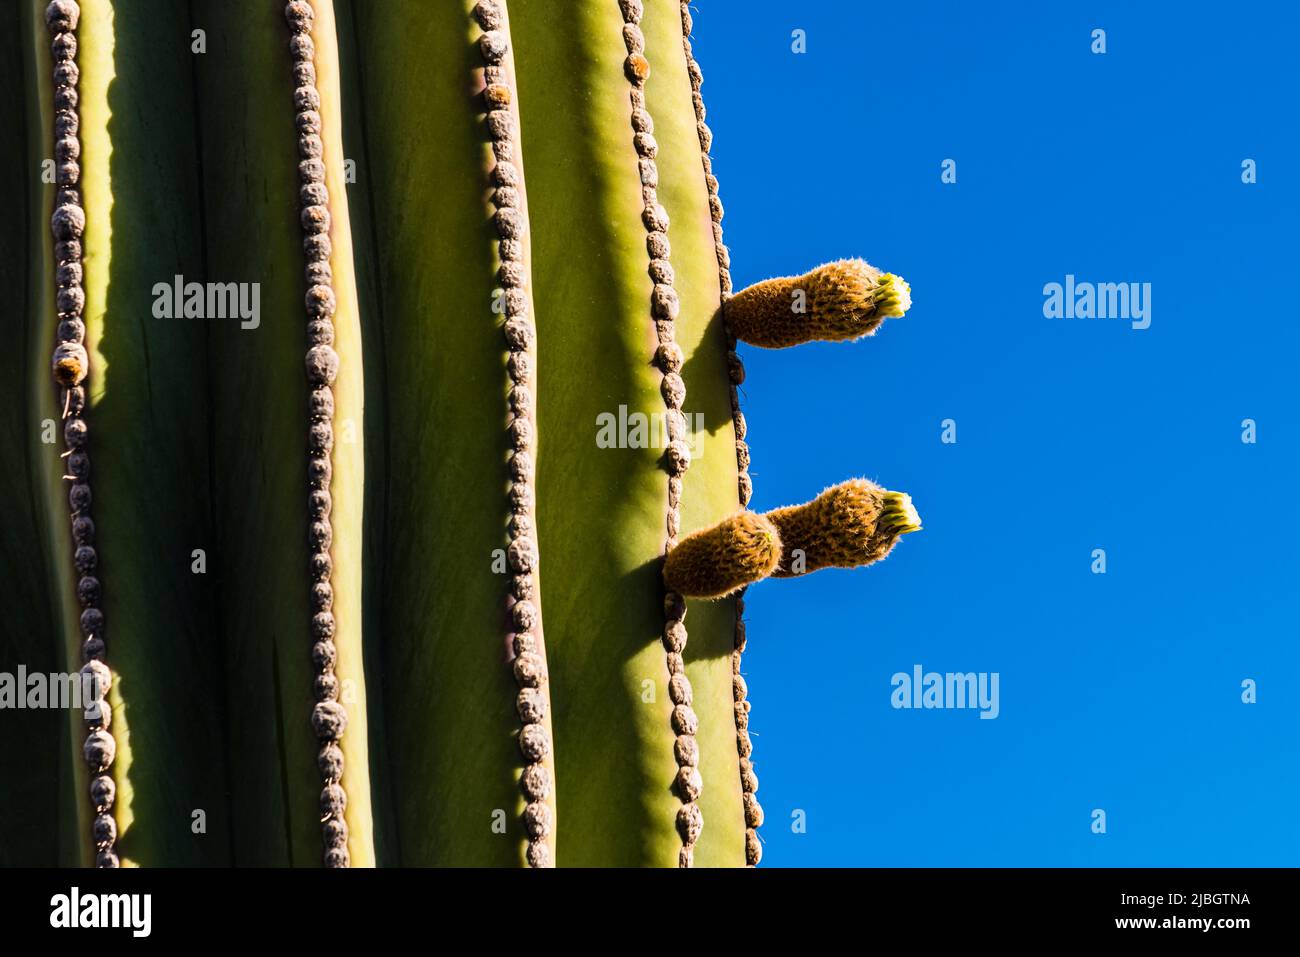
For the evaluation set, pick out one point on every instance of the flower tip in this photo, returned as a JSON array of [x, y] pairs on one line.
[[893, 296], [899, 514]]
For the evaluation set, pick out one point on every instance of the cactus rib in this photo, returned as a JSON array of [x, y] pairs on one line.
[[837, 302], [511, 221], [71, 369], [744, 484], [329, 717], [664, 308]]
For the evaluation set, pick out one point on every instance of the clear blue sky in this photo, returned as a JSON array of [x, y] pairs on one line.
[[1119, 691]]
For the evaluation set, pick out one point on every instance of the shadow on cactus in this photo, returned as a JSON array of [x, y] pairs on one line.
[[325, 318]]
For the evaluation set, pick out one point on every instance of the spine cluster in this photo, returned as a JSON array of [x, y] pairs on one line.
[[664, 307], [329, 718], [71, 367], [736, 371], [511, 222]]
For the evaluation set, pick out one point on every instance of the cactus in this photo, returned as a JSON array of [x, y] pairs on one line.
[[326, 538]]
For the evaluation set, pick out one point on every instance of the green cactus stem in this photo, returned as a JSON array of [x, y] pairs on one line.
[[364, 584], [44, 827], [665, 307], [267, 161], [837, 302]]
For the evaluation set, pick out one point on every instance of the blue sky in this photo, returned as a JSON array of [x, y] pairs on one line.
[[1121, 691]]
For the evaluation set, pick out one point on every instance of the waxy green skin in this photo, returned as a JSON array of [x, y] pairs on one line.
[[33, 765], [612, 621], [600, 511], [198, 437], [148, 442], [603, 590]]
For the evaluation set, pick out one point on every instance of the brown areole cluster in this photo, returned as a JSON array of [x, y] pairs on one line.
[[664, 308], [511, 221], [329, 718], [744, 485], [71, 366]]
